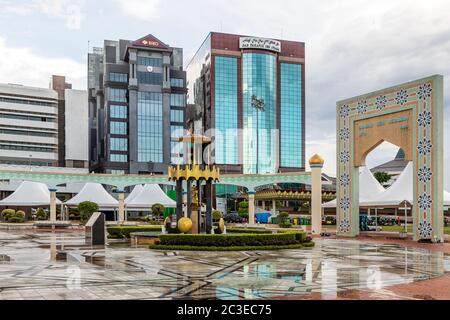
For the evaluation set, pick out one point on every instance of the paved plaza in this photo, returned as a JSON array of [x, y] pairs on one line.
[[60, 266]]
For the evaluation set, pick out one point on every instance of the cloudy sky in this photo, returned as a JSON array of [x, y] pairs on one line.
[[353, 46]]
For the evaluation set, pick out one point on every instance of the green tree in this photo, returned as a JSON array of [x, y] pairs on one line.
[[285, 220], [383, 177], [86, 210], [158, 210], [243, 209], [41, 215], [217, 215], [7, 214]]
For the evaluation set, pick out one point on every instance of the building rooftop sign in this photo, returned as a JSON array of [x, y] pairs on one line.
[[260, 43], [150, 41]]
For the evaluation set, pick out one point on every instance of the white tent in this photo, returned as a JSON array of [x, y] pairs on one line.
[[29, 194], [94, 192], [136, 192], [150, 195], [369, 187], [400, 192], [446, 199]]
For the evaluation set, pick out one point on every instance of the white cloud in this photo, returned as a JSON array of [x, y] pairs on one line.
[[70, 11], [24, 67], [146, 10]]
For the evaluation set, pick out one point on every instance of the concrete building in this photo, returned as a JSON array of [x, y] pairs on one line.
[[137, 101], [28, 126], [250, 93], [43, 130]]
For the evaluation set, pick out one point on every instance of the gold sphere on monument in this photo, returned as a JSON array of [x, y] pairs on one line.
[[317, 160], [185, 225], [222, 226]]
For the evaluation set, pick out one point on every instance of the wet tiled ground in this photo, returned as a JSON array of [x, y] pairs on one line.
[[60, 266]]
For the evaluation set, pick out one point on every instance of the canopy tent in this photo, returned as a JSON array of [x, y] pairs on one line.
[[446, 199], [136, 192], [150, 195], [399, 193], [94, 192], [29, 194], [369, 187]]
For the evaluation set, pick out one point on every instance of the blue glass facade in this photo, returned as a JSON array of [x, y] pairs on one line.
[[259, 78], [291, 131], [226, 106], [150, 127]]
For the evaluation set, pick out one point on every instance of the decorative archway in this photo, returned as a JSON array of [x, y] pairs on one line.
[[410, 116]]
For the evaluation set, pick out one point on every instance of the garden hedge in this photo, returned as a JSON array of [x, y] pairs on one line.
[[119, 232], [246, 230], [244, 248], [238, 240]]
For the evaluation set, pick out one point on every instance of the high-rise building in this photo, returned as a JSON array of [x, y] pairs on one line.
[[250, 93], [137, 99]]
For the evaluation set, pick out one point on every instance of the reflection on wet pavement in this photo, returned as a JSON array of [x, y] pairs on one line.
[[62, 266]]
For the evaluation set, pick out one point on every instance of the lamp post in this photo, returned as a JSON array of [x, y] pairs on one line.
[[259, 105]]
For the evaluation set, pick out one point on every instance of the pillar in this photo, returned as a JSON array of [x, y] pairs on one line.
[[189, 199], [316, 164], [209, 217], [264, 205], [251, 208], [274, 208], [52, 205], [121, 207], [179, 189]]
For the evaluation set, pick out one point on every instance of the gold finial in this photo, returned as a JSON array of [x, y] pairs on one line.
[[316, 160]]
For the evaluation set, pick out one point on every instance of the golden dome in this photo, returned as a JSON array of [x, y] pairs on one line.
[[316, 160], [185, 225]]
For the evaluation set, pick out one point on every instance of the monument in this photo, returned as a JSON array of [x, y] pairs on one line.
[[410, 116], [96, 230]]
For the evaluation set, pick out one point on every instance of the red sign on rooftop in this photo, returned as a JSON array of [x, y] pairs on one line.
[[150, 42]]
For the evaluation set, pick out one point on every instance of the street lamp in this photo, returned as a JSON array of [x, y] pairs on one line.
[[259, 105]]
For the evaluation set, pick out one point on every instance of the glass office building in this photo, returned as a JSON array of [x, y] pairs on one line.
[[137, 96], [227, 77]]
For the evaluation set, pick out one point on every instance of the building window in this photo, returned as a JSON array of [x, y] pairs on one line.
[[150, 127], [31, 102], [117, 95], [226, 104], [291, 136], [259, 78], [152, 78], [118, 172], [119, 144], [118, 77], [177, 83], [122, 158], [152, 62], [178, 100], [176, 132], [120, 128], [177, 116], [118, 112], [27, 117]]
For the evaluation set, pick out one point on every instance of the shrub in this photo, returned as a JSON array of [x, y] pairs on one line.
[[158, 210], [248, 230], [243, 248], [7, 214], [18, 217], [124, 232], [232, 218], [285, 221], [239, 240], [217, 215], [41, 215], [243, 209], [86, 210]]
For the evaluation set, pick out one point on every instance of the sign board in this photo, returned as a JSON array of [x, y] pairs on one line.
[[260, 43]]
